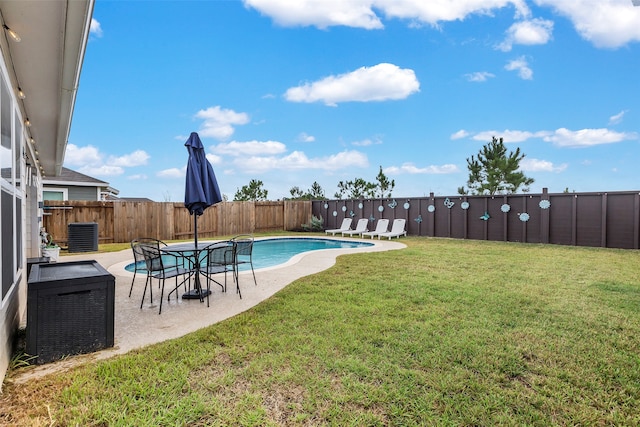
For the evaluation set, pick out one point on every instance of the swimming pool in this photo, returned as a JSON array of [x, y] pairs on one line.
[[276, 251]]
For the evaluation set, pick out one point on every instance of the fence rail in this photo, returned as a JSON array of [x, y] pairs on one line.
[[120, 222], [581, 219]]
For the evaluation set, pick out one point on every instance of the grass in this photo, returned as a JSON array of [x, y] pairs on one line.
[[445, 332]]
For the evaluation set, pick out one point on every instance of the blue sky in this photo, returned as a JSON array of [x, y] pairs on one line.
[[295, 91]]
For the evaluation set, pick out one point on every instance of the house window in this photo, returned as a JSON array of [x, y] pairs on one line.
[[6, 156], [59, 194], [11, 193]]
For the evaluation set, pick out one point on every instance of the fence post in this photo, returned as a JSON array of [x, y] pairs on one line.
[[636, 221], [431, 229], [544, 218], [603, 225]]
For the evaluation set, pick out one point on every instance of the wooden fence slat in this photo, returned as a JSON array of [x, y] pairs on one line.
[[123, 221]]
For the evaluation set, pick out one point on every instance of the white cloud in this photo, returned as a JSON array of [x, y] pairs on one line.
[[509, 136], [479, 76], [521, 66], [218, 122], [537, 165], [367, 142], [101, 170], [137, 158], [95, 28], [460, 134], [250, 148], [361, 13], [298, 160], [213, 159], [605, 23], [321, 14], [79, 156], [378, 83], [304, 137], [617, 118], [90, 161], [138, 177], [533, 32], [173, 173], [410, 168], [588, 137]]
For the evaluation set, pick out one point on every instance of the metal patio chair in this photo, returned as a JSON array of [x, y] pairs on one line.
[[156, 269]]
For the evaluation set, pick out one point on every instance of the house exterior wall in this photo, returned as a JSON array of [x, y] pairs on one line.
[[13, 214]]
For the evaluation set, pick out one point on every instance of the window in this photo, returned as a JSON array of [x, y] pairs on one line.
[[11, 189]]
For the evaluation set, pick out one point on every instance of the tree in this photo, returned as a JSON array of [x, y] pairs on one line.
[[360, 189], [296, 193], [495, 171], [314, 193], [356, 189], [252, 192], [385, 187]]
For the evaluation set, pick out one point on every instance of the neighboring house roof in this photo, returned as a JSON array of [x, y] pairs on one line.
[[46, 65], [70, 177], [128, 199]]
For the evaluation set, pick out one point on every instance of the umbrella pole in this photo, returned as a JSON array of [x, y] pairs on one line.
[[197, 292]]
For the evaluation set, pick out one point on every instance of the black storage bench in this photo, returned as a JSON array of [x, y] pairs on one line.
[[70, 308]]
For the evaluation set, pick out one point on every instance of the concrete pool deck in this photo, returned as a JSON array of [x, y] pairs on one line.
[[135, 328]]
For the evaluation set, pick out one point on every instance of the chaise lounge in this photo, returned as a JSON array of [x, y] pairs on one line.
[[346, 226], [381, 227], [397, 229], [361, 227]]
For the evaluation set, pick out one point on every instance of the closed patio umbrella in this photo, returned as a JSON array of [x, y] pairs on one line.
[[201, 191]]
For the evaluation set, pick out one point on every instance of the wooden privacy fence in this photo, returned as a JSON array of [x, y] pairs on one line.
[[120, 221], [580, 219]]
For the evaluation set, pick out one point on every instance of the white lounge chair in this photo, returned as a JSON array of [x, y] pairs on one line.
[[381, 227], [361, 227], [397, 229], [346, 225]]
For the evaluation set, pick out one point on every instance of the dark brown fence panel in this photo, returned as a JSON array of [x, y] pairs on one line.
[[589, 220], [584, 219], [562, 218], [620, 214]]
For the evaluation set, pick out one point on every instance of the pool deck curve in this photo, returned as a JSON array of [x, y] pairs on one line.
[[135, 328]]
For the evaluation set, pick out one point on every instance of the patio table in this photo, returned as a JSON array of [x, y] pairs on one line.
[[192, 256]]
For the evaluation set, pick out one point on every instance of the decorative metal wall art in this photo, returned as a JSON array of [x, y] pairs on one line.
[[464, 205], [544, 204], [419, 219], [485, 217], [380, 208], [393, 204], [431, 208], [524, 217], [448, 203], [407, 205], [505, 208]]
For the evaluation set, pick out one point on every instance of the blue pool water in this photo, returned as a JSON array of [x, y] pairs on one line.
[[270, 252]]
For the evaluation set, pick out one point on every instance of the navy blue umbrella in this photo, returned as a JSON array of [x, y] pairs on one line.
[[201, 188]]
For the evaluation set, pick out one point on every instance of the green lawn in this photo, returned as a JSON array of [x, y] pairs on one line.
[[445, 332]]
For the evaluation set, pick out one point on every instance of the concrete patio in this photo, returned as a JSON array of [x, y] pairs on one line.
[[135, 328]]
